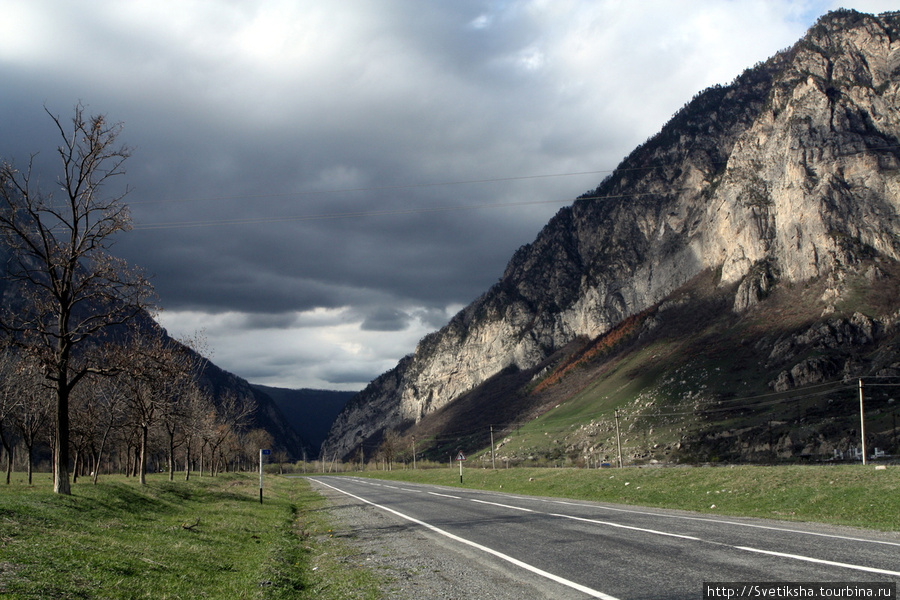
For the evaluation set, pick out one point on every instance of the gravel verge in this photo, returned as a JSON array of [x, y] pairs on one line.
[[421, 564]]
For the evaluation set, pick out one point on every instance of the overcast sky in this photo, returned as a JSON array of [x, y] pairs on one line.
[[319, 184]]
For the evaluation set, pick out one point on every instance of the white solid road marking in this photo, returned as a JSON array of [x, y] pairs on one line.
[[620, 526], [577, 586], [821, 562], [501, 505], [444, 495]]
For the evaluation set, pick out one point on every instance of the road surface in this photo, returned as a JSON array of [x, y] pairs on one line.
[[579, 549]]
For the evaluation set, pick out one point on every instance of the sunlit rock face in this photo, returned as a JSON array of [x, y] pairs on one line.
[[789, 173]]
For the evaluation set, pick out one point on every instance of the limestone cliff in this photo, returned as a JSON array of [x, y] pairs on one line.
[[788, 174]]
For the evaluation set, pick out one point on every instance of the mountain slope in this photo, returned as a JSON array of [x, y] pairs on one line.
[[787, 176], [308, 412], [218, 382]]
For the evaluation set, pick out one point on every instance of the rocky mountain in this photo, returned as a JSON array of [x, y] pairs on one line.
[[784, 181], [268, 414]]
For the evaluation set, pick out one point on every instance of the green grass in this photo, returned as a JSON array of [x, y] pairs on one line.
[[211, 538], [838, 494], [207, 538]]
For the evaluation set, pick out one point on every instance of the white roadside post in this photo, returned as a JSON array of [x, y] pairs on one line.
[[460, 458], [261, 454]]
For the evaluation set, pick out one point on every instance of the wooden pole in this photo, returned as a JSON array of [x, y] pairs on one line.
[[862, 423]]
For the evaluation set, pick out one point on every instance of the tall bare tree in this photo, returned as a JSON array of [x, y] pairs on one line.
[[228, 419], [11, 367], [99, 412], [72, 288], [390, 445], [33, 413], [198, 404], [184, 367], [156, 370]]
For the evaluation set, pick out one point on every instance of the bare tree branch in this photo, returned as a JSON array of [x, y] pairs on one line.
[[71, 289]]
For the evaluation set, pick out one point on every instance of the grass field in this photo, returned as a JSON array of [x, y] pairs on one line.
[[854, 495], [211, 538], [207, 538]]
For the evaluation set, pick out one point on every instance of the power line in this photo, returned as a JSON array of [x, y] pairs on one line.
[[336, 215], [447, 183], [770, 399], [401, 211], [564, 425], [785, 395], [374, 213], [383, 188]]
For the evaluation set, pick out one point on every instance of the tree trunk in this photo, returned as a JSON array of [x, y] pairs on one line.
[[145, 434], [61, 483], [171, 457], [76, 465], [98, 455], [9, 458], [95, 466], [29, 463]]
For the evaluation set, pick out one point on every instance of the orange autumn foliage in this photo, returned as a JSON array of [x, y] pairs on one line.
[[600, 345]]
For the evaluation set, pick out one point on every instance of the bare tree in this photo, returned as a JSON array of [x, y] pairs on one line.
[[72, 288], [10, 402], [184, 367], [255, 440], [32, 413], [198, 404], [81, 418], [154, 368], [280, 457], [389, 447], [229, 417], [130, 441], [99, 411]]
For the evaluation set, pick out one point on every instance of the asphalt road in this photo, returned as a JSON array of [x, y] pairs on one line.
[[588, 549]]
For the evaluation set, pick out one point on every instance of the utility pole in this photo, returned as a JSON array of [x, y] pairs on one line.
[[862, 422], [894, 428], [618, 439], [493, 462], [414, 453]]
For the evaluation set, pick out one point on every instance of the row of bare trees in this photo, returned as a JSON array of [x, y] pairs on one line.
[[74, 374], [147, 403]]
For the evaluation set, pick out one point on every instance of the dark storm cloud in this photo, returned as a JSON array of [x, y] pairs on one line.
[[317, 185], [385, 319]]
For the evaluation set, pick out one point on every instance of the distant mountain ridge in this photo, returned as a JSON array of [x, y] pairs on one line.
[[308, 412], [217, 381], [786, 177]]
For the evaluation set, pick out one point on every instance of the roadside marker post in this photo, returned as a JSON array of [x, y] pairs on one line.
[[261, 454], [460, 458]]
